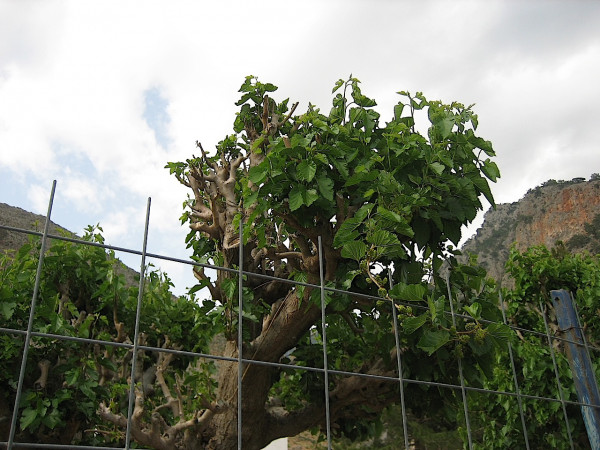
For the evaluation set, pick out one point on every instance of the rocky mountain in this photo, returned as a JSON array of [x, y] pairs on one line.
[[567, 211], [14, 217]]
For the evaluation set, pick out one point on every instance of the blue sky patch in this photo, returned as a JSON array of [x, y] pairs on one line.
[[156, 115]]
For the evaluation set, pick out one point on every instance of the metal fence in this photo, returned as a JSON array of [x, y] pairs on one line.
[[589, 406]]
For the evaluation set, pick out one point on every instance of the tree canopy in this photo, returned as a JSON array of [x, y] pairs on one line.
[[383, 199], [536, 271], [380, 204]]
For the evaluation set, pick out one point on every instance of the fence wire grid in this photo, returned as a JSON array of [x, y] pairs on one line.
[[136, 347]]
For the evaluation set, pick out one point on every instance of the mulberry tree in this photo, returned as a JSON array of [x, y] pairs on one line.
[[384, 201]]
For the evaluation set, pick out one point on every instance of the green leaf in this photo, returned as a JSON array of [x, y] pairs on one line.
[[296, 198], [72, 376], [251, 198], [341, 166], [310, 196], [325, 186], [337, 85], [7, 309], [52, 419], [363, 211], [362, 177], [398, 110], [354, 250], [499, 333], [347, 231], [269, 87], [490, 169], [382, 238], [409, 292], [28, 417], [444, 126], [86, 388], [437, 167], [229, 286], [412, 324], [257, 174], [433, 340], [436, 309], [299, 141], [306, 170], [474, 310], [395, 222], [257, 143], [483, 186], [452, 229], [321, 158], [484, 145], [348, 278]]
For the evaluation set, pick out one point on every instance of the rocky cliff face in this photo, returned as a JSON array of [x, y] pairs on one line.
[[19, 218], [14, 217], [567, 211]]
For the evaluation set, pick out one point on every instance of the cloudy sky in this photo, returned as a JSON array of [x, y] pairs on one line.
[[99, 95]]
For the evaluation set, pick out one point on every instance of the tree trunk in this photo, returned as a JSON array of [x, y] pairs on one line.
[[255, 388]]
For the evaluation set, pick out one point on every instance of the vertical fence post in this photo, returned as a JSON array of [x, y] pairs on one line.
[[514, 372], [579, 360], [399, 361], [240, 330], [556, 374], [324, 325], [460, 369], [138, 311], [36, 287]]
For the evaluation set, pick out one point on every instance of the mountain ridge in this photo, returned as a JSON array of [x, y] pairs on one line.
[[565, 211]]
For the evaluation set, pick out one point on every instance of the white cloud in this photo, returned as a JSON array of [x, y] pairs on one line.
[[75, 78], [39, 196], [82, 192]]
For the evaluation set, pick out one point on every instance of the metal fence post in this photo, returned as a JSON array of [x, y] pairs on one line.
[[399, 361], [581, 365], [556, 373], [13, 424], [240, 331], [324, 326], [460, 370], [138, 312], [514, 373]]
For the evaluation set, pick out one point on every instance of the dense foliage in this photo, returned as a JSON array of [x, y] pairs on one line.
[[83, 294], [384, 200], [536, 272]]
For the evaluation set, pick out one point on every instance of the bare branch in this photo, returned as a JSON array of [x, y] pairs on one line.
[[296, 126], [341, 210], [303, 244], [284, 423], [265, 115], [211, 230], [235, 165], [200, 176], [201, 211], [312, 232], [346, 316], [182, 180], [201, 276], [139, 434], [44, 366], [282, 255], [164, 359], [210, 164], [284, 121]]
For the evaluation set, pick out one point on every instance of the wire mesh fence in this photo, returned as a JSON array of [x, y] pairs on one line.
[[520, 388]]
